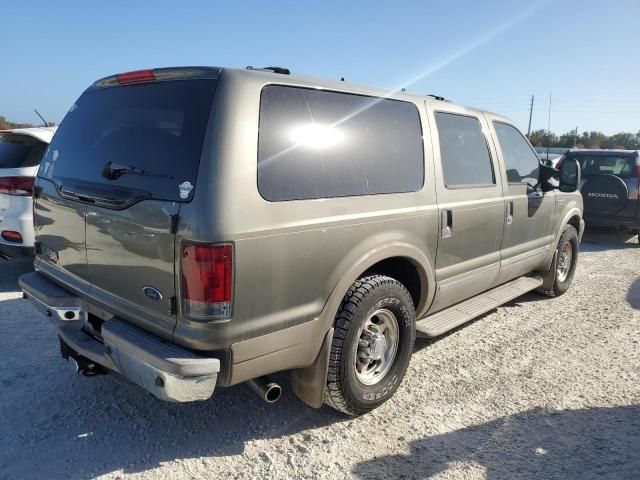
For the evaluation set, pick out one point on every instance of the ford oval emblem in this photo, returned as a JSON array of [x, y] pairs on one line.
[[152, 293]]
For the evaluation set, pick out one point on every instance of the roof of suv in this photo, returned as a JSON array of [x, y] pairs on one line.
[[41, 133], [276, 74]]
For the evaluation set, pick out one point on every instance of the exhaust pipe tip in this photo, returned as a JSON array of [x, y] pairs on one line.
[[266, 389], [273, 393]]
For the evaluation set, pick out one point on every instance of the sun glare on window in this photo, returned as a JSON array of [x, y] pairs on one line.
[[316, 136]]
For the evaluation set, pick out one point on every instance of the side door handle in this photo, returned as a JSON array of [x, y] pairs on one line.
[[509, 214], [446, 223]]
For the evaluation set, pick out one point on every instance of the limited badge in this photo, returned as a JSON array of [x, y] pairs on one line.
[[185, 189]]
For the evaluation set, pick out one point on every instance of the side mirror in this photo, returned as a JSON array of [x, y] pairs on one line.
[[565, 179], [570, 175], [547, 178]]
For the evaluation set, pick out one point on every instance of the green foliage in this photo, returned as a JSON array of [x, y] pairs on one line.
[[593, 139], [6, 124]]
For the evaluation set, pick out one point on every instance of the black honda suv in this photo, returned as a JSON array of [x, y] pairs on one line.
[[610, 187]]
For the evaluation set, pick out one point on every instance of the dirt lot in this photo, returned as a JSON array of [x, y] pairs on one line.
[[538, 388]]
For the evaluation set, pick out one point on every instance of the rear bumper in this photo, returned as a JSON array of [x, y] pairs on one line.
[[16, 215], [165, 370], [16, 251], [631, 223]]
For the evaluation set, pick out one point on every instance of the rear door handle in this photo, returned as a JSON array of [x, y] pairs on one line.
[[509, 214], [446, 223]]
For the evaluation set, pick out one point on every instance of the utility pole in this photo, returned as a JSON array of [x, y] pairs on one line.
[[549, 126], [575, 138], [530, 115]]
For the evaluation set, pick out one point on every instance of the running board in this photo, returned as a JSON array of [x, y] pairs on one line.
[[444, 320]]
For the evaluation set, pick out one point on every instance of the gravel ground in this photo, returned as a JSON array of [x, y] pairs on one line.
[[539, 388]]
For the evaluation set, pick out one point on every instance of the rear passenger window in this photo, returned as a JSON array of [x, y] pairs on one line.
[[319, 144], [463, 151], [521, 162]]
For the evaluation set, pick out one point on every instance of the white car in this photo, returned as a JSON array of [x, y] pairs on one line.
[[21, 150]]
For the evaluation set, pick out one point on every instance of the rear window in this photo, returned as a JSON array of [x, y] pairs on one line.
[[319, 144], [157, 128], [20, 151], [621, 165]]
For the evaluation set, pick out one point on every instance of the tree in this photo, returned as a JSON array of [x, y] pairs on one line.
[[538, 138], [6, 124]]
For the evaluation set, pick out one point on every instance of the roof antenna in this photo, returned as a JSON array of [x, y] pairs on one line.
[[46, 124]]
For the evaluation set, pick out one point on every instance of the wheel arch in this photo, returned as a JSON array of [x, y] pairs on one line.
[[396, 257], [572, 216]]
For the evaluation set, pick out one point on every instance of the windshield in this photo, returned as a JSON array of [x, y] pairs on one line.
[[20, 151], [152, 127], [620, 165]]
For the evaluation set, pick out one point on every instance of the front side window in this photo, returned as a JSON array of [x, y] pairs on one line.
[[320, 144], [463, 151], [521, 162]]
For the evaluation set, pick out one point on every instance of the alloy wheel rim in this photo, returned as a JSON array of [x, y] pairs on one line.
[[378, 340], [565, 259]]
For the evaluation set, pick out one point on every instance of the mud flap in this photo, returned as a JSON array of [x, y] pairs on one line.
[[549, 277], [309, 383]]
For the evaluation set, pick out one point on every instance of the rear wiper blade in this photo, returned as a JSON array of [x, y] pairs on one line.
[[112, 171]]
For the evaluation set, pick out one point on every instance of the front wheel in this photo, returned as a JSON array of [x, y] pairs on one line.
[[566, 262], [374, 333]]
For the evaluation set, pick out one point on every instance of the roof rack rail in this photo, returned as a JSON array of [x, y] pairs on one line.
[[437, 97], [280, 70]]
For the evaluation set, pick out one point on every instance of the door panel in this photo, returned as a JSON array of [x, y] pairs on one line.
[[529, 213], [471, 215]]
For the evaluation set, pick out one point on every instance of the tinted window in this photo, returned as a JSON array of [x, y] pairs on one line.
[[521, 161], [317, 144], [463, 150], [620, 165], [155, 127], [20, 151]]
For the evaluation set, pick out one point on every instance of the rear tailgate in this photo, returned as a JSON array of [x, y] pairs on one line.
[[20, 155], [596, 166], [128, 155]]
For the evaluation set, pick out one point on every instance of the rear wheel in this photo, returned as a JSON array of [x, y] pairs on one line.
[[373, 339], [566, 262]]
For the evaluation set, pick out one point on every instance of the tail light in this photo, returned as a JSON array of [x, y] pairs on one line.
[[21, 186], [207, 281], [11, 236], [135, 77]]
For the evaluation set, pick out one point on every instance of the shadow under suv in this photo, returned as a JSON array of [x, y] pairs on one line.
[[200, 227]]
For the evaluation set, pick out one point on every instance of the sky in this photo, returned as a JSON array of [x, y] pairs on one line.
[[491, 54]]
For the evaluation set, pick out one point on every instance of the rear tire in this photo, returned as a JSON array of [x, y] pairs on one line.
[[566, 262], [366, 369]]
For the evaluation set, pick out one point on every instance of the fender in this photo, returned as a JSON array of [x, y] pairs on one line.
[[309, 382], [574, 210]]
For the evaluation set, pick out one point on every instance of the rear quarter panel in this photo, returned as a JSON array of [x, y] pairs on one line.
[[294, 260]]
